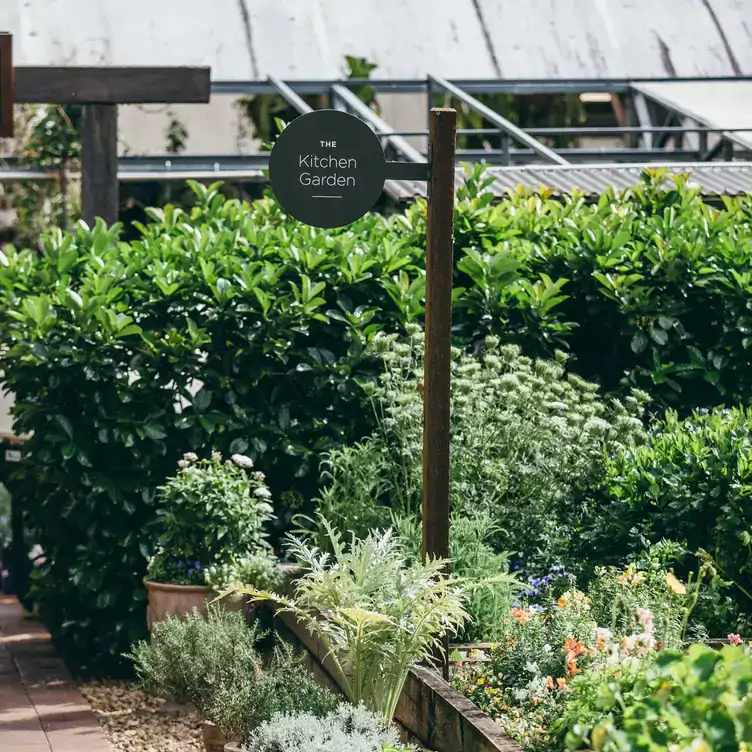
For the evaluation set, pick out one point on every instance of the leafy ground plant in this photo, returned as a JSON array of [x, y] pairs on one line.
[[694, 702], [375, 615]]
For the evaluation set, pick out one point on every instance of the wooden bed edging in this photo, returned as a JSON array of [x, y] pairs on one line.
[[438, 715]]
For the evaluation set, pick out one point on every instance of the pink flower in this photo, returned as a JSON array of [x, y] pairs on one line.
[[645, 618], [734, 639]]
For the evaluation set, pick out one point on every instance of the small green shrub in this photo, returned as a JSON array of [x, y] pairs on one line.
[[208, 515], [354, 729], [192, 657], [691, 482], [473, 559], [212, 663]]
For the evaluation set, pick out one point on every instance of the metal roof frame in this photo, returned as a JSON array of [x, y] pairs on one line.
[[530, 151]]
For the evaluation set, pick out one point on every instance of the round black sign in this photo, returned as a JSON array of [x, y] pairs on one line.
[[327, 168]]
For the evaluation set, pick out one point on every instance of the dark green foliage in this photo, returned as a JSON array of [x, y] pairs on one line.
[[691, 482], [102, 341], [270, 320], [657, 285]]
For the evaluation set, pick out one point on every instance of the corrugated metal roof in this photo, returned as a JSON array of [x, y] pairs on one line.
[[719, 104], [308, 39], [716, 179]]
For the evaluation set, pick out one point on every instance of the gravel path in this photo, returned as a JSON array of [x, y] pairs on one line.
[[137, 722]]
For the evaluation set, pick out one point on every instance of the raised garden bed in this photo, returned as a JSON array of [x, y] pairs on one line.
[[429, 709]]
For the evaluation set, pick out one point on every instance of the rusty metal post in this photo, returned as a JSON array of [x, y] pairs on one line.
[[7, 96], [437, 369]]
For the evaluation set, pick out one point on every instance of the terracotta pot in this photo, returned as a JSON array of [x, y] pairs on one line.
[[178, 600], [214, 739]]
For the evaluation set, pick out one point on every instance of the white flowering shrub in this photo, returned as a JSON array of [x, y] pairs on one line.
[[529, 441], [347, 729], [212, 518]]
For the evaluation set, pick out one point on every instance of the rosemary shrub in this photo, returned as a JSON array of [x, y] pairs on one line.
[[191, 657]]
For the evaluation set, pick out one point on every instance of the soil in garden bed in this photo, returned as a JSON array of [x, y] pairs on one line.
[[136, 722]]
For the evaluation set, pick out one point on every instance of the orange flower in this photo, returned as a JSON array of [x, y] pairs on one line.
[[573, 649], [572, 668], [561, 684], [549, 682], [601, 644], [521, 616], [562, 602]]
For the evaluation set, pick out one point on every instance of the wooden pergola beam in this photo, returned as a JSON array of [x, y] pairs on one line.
[[71, 84], [6, 85]]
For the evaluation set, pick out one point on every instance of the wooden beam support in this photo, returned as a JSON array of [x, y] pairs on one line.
[[112, 85], [7, 96], [99, 164], [438, 357]]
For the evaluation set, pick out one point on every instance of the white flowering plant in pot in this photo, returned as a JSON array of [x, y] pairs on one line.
[[212, 518]]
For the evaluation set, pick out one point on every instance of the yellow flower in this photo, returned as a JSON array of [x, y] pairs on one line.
[[676, 585], [481, 681], [638, 578], [623, 579]]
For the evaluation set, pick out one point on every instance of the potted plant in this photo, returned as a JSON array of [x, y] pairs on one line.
[[211, 516]]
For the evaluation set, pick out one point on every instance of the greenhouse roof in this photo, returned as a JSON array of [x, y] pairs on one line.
[[251, 39]]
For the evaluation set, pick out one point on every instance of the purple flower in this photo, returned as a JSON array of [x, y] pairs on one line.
[[180, 565], [197, 565]]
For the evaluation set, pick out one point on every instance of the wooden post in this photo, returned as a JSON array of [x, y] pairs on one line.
[[99, 164], [437, 369], [7, 96]]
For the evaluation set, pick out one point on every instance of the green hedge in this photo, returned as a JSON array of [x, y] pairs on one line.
[[690, 482], [100, 340]]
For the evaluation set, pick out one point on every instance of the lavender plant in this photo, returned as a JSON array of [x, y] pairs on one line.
[[354, 729]]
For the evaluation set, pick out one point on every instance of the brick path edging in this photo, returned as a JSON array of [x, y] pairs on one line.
[[41, 708]]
